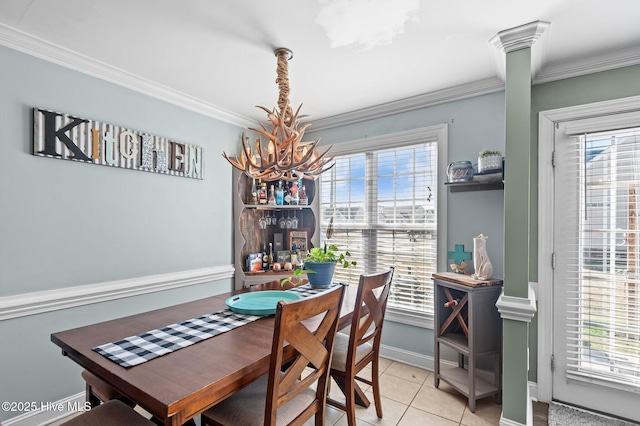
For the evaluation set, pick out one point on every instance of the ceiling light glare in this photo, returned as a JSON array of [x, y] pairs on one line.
[[365, 24]]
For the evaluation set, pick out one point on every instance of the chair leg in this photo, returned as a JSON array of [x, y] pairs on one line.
[[375, 382], [91, 398], [350, 401]]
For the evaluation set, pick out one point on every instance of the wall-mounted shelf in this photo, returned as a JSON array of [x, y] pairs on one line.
[[474, 186]]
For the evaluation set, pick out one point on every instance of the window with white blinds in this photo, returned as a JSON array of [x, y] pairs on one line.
[[603, 312], [383, 205]]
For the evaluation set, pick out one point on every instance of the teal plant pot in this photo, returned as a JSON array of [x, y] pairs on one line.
[[322, 274]]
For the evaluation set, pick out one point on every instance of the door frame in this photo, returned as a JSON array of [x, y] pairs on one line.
[[546, 136]]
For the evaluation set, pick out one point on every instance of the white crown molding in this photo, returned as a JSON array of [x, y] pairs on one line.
[[20, 305], [43, 49], [605, 61], [595, 109], [522, 37], [392, 140], [456, 93], [517, 308]]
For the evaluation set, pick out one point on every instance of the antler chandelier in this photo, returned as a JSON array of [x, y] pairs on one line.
[[285, 156]]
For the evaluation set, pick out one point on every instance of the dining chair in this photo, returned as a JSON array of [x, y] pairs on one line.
[[361, 347], [98, 391], [111, 413], [285, 394]]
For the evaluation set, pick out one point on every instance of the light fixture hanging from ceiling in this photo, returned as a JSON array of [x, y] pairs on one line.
[[285, 156]]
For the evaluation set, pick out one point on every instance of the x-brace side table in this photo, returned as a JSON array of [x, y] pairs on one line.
[[467, 320]]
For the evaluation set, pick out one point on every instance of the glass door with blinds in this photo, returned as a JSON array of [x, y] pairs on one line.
[[596, 314], [383, 206]]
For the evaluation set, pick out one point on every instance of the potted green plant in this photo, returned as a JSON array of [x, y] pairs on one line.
[[320, 263], [489, 160]]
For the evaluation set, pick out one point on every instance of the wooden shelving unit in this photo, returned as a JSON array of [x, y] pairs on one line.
[[248, 236]]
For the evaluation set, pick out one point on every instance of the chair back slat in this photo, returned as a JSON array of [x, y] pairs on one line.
[[308, 327], [370, 308]]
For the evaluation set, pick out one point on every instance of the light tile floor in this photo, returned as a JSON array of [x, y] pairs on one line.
[[409, 398]]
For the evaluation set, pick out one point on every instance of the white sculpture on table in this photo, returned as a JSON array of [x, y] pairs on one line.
[[481, 263]]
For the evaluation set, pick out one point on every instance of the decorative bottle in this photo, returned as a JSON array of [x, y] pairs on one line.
[[303, 196], [279, 194], [254, 192], [262, 193], [265, 258], [295, 198], [272, 196]]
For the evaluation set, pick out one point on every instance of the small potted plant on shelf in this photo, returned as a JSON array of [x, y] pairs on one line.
[[489, 160], [320, 263]]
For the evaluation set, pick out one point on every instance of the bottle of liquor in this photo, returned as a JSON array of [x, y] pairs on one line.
[[254, 192], [265, 258], [295, 197], [262, 193], [279, 194], [270, 255], [272, 196], [303, 196], [287, 195]]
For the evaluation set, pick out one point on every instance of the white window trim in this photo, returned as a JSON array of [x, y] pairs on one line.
[[438, 133], [546, 136]]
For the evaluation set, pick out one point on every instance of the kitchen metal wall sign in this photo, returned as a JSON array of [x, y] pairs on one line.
[[68, 137]]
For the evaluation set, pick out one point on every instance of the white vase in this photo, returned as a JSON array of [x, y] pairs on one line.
[[481, 263]]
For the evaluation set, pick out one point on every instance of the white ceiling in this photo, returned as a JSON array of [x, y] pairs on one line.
[[220, 53]]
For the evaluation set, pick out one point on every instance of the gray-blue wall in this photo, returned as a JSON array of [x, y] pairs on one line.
[[65, 224]]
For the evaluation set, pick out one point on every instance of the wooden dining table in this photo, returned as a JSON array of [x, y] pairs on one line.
[[179, 386]]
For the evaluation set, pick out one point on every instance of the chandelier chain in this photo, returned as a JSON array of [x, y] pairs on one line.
[[282, 81]]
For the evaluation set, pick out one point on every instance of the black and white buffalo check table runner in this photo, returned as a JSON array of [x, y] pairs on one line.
[[134, 350]]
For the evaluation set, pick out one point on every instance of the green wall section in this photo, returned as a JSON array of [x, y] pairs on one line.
[[68, 224], [516, 186], [514, 367], [516, 225]]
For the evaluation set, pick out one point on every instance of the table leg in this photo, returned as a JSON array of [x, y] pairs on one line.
[[436, 364], [359, 396], [472, 384]]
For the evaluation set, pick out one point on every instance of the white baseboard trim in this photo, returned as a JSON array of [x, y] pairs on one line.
[[407, 357], [508, 422], [532, 395], [533, 391], [51, 300], [50, 413]]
